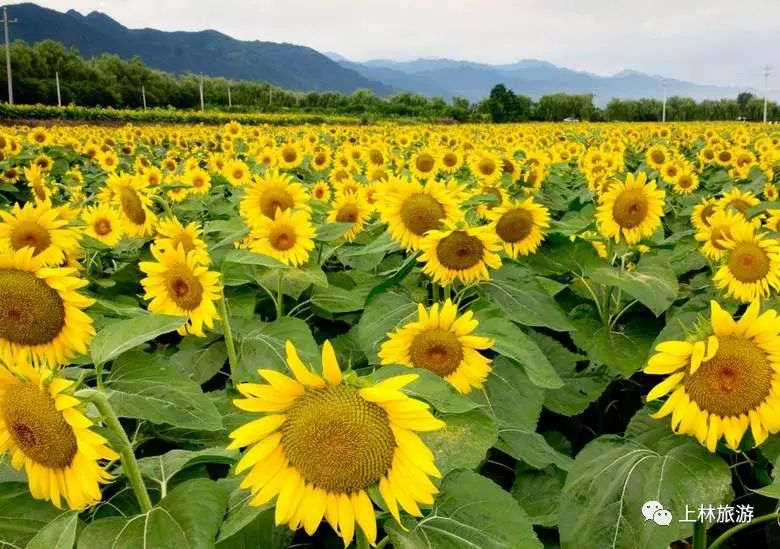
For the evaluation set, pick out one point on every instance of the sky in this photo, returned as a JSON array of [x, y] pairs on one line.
[[720, 42]]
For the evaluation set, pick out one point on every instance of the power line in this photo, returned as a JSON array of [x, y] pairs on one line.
[[8, 55]]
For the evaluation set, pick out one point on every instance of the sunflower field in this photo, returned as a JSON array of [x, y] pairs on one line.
[[420, 336]]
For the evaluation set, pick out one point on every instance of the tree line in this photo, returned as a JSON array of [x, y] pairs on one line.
[[110, 81]]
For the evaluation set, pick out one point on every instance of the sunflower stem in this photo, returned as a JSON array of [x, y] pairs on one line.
[[129, 463], [383, 543], [699, 535], [279, 297], [739, 527], [227, 331]]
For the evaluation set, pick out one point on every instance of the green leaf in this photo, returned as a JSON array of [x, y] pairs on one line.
[[383, 313], [58, 534], [335, 299], [246, 257], [539, 492], [201, 363], [294, 281], [367, 257], [515, 291], [262, 346], [21, 516], [328, 232], [162, 468], [464, 441], [471, 511], [123, 335], [532, 448], [613, 476], [580, 387], [430, 388], [653, 282], [511, 342], [624, 350], [247, 526], [509, 396], [148, 387], [188, 517]]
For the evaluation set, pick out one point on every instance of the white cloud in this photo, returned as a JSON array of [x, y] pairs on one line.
[[708, 41]]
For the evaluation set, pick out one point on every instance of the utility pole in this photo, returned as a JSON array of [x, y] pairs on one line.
[[766, 90], [143, 95], [663, 113], [230, 99], [57, 79], [201, 92], [8, 55]]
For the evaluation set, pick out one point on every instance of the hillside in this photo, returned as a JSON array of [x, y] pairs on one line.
[[210, 52]]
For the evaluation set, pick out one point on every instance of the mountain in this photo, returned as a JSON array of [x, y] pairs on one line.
[[210, 52], [532, 77]]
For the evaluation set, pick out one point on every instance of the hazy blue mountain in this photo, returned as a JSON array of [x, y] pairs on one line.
[[210, 52], [531, 77]]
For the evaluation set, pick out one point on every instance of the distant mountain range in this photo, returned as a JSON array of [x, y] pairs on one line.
[[305, 69]]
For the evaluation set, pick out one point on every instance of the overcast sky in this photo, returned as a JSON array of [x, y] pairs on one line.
[[722, 42]]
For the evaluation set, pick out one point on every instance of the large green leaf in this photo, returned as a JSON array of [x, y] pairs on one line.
[[249, 526], [383, 313], [21, 516], [470, 512], [510, 341], [123, 335], [189, 516], [367, 257], [328, 232], [623, 349], [262, 344], [201, 363], [428, 387], [150, 387], [58, 534], [515, 290], [464, 441], [162, 468], [652, 283], [539, 493], [613, 476], [334, 299]]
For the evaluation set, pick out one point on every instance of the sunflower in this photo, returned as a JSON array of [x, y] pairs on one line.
[[321, 191], [270, 192], [40, 227], [350, 208], [424, 164], [129, 194], [716, 234], [411, 209], [103, 224], [287, 237], [324, 446], [41, 311], [290, 155], [199, 181], [43, 430], [687, 181], [236, 172], [773, 221], [485, 167], [450, 160], [770, 192], [44, 162], [36, 181], [724, 383], [700, 218], [465, 254], [108, 161], [738, 200], [441, 342], [656, 156], [178, 285], [631, 209], [171, 234], [520, 226], [320, 160], [751, 265]]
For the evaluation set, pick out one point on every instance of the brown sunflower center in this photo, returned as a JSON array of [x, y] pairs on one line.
[[460, 251], [449, 159], [630, 209], [718, 234], [184, 288], [486, 166], [36, 426], [658, 157], [421, 213], [737, 379], [514, 225], [184, 240], [132, 205], [748, 262], [31, 313], [436, 350], [376, 157], [685, 182], [289, 154], [337, 440], [738, 204], [424, 162], [102, 226], [273, 199], [282, 238], [30, 234], [348, 213], [706, 213]]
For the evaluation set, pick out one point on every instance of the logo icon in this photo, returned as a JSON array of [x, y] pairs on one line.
[[654, 510]]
